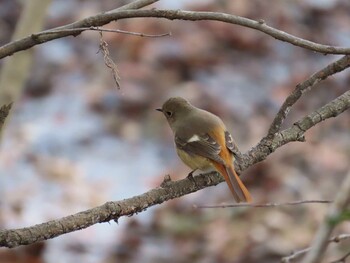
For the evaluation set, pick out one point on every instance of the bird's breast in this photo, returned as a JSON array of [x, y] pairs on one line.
[[194, 161]]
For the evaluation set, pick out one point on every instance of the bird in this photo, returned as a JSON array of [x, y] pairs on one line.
[[203, 142]]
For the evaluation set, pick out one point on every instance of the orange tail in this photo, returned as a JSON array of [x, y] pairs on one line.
[[237, 188]]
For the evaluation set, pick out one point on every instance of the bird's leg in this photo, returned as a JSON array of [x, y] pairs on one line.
[[190, 176]]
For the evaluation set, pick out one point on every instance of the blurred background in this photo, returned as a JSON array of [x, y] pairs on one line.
[[74, 141]]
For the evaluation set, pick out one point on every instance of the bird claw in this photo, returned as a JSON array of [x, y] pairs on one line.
[[191, 177]]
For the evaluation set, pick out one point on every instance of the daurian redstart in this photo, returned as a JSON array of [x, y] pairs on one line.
[[202, 142]]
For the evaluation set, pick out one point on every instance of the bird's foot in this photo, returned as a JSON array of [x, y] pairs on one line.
[[191, 177]]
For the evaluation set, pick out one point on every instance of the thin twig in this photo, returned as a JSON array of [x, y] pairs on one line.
[[107, 17], [296, 254], [306, 85], [100, 29], [267, 204], [109, 61]]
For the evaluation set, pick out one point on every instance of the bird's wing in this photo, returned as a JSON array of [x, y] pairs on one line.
[[231, 145], [203, 145]]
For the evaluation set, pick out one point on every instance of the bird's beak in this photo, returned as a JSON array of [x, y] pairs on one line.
[[159, 110]]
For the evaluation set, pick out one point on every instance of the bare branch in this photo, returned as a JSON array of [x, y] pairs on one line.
[[100, 29], [297, 254], [267, 205], [334, 213], [105, 18], [301, 88], [108, 211]]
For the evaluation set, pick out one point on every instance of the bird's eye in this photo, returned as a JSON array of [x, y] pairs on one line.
[[168, 113]]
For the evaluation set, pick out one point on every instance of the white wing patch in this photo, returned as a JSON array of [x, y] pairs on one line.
[[194, 138]]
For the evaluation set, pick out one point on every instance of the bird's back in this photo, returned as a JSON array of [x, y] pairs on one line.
[[199, 120]]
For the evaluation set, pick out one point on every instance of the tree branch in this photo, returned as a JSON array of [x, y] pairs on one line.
[[295, 133], [169, 189], [101, 29], [305, 86], [108, 211], [104, 18]]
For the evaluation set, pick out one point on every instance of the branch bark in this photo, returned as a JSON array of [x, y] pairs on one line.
[[105, 18]]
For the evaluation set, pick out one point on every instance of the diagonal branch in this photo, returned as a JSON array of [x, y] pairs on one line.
[[305, 86], [169, 189], [104, 18], [295, 133]]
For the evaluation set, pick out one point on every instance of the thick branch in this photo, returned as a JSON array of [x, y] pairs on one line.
[[108, 211], [168, 190], [105, 18], [301, 88]]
